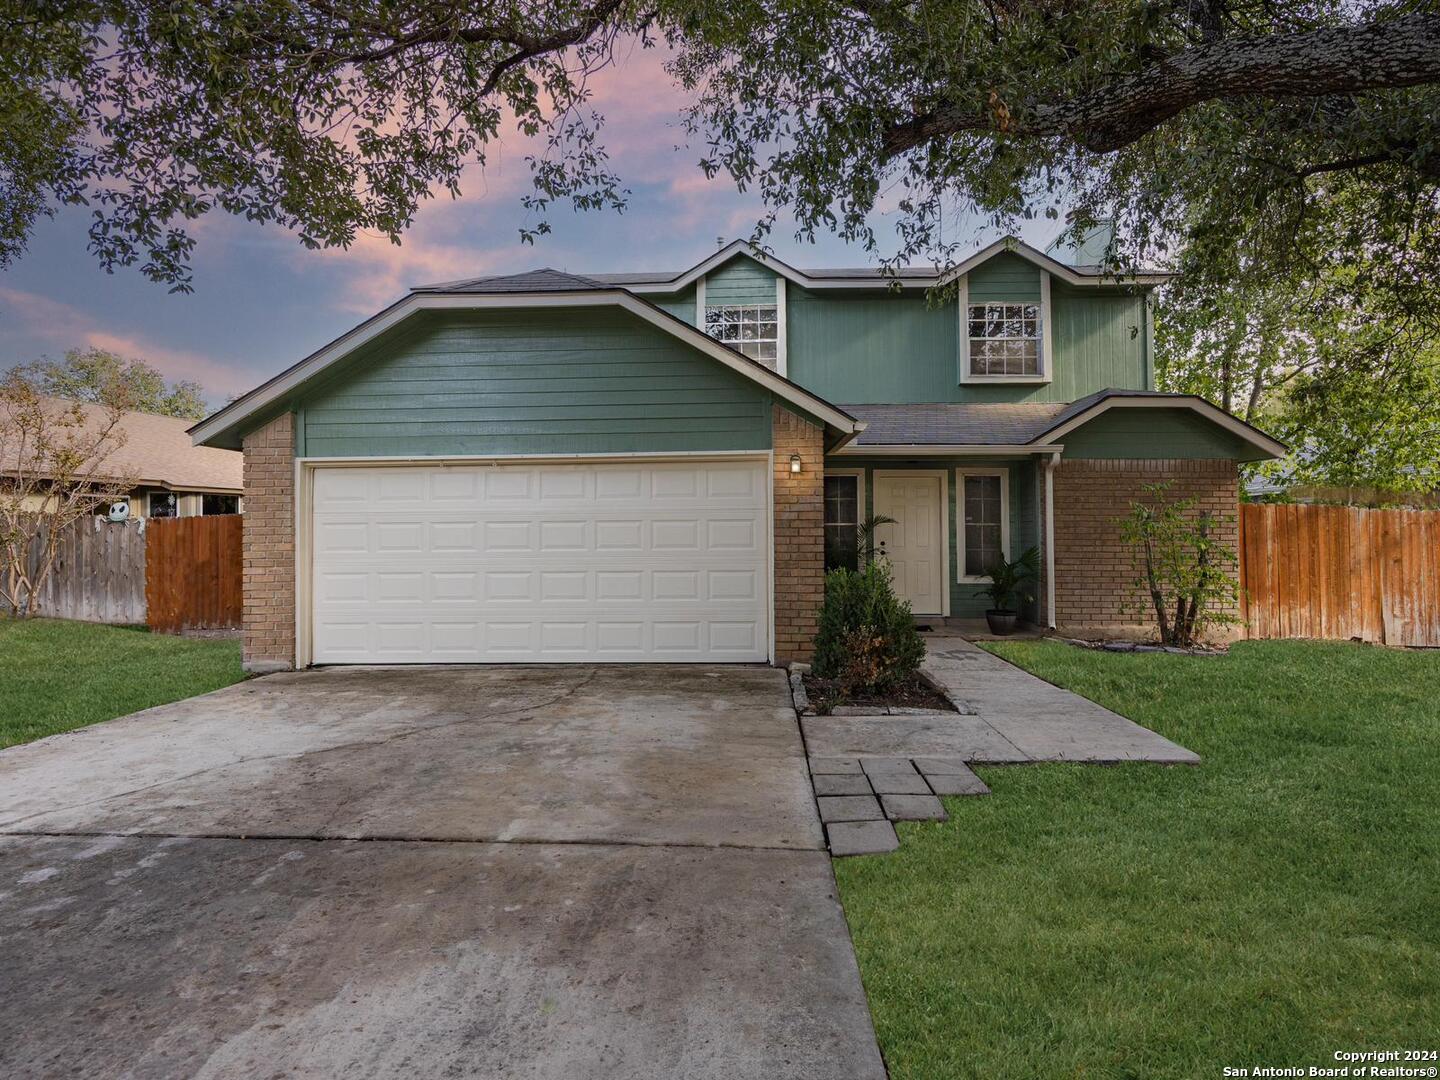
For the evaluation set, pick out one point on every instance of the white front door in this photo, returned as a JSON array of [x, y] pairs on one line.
[[524, 562], [915, 544]]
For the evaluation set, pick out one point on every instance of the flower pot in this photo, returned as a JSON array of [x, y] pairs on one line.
[[1002, 621]]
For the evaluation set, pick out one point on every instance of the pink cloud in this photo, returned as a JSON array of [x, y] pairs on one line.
[[67, 327]]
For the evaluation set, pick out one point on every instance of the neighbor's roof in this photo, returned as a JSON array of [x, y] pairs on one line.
[[157, 451]]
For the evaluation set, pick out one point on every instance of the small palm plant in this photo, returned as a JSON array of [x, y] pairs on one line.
[[865, 535], [1009, 582]]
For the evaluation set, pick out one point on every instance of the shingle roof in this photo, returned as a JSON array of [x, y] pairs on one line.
[[824, 273], [158, 452], [969, 424], [532, 281]]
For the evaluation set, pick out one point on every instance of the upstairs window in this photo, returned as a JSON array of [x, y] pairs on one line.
[[1005, 339], [751, 330]]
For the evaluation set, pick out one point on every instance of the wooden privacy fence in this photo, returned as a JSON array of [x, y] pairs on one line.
[[98, 574], [172, 573], [1341, 572], [192, 575]]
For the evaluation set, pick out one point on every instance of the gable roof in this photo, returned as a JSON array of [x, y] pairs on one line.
[[544, 289], [532, 281], [1029, 426], [1085, 409], [157, 452], [1071, 275], [818, 279]]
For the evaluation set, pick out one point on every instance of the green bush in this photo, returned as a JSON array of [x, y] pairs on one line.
[[867, 641]]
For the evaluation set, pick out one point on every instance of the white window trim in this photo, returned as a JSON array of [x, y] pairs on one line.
[[860, 505], [960, 475], [962, 315], [781, 366], [945, 481], [781, 336]]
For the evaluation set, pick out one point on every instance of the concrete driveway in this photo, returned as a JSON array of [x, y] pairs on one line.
[[563, 872]]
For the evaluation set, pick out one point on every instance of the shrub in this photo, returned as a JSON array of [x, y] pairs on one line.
[[867, 641], [1184, 572]]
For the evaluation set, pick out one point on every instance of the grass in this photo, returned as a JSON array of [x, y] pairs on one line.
[[57, 675], [1273, 906]]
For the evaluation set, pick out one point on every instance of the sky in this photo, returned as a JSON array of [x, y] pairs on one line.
[[261, 301]]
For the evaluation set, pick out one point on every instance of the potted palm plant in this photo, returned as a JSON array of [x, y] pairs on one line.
[[1009, 583]]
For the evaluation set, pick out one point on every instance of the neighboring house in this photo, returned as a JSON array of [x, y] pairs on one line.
[[174, 477], [655, 467]]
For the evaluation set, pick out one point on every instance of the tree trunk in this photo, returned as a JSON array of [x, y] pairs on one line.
[[1156, 596]]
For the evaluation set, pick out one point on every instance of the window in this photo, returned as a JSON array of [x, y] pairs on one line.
[[163, 504], [842, 522], [219, 504], [984, 496], [752, 330], [1005, 339]]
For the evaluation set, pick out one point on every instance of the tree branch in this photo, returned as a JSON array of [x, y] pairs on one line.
[[1382, 56]]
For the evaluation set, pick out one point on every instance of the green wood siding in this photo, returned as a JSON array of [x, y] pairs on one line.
[[870, 348], [966, 598], [1004, 277], [681, 305], [581, 380], [742, 280], [1155, 433]]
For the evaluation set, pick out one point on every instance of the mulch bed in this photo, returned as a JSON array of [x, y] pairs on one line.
[[913, 693]]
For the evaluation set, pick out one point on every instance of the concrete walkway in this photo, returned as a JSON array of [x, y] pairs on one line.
[[1006, 716], [535, 872]]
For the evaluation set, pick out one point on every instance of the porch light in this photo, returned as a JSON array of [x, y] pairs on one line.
[[794, 463]]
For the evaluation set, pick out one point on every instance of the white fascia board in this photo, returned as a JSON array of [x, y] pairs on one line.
[[1216, 415], [1067, 274], [948, 450], [282, 384]]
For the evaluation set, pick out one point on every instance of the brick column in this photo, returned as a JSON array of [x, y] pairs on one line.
[[799, 535], [1095, 571], [269, 547]]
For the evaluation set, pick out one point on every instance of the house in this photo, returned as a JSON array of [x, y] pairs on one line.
[[174, 476], [656, 466]]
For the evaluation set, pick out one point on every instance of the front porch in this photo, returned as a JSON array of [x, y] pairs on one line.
[[957, 514], [955, 517]]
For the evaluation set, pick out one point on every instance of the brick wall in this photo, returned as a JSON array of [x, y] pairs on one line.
[[1094, 568], [799, 535], [269, 546]]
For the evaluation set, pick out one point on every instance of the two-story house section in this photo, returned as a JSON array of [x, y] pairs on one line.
[[658, 467]]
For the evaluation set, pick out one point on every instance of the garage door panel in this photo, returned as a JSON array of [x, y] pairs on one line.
[[664, 562]]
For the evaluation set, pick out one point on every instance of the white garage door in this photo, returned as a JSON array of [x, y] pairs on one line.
[[659, 562]]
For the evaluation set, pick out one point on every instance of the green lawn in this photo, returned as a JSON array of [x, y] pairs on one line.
[[1277, 904], [57, 675]]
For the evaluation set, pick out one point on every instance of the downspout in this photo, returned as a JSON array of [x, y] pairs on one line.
[[1050, 463]]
